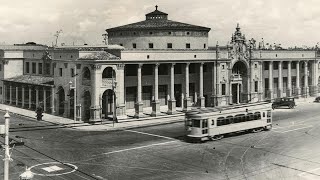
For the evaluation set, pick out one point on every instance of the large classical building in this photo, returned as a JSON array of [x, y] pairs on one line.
[[151, 65]]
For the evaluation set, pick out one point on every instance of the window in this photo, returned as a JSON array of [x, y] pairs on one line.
[[255, 66], [121, 44], [150, 45], [169, 45], [192, 68], [134, 45], [255, 86], [195, 123], [275, 65], [27, 67], [148, 56], [60, 71], [204, 46], [72, 72], [34, 68], [188, 46], [47, 68], [147, 69], [0, 67], [223, 91], [188, 33], [40, 68], [178, 69], [195, 56], [266, 65], [222, 66], [169, 33], [131, 70], [163, 69], [220, 121], [257, 115], [1, 90], [293, 65], [212, 122], [285, 65], [150, 33], [205, 67]]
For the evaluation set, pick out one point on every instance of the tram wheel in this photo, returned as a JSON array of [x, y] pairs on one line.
[[216, 137], [256, 130]]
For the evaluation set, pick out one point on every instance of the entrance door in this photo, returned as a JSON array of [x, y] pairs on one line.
[[177, 94], [234, 93]]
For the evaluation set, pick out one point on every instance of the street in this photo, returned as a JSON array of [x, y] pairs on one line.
[[291, 150]]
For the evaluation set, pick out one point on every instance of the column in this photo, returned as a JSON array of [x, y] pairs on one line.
[[37, 96], [52, 100], [44, 100], [139, 104], [289, 88], [95, 90], [298, 89], [10, 91], [4, 95], [22, 98], [187, 100], [30, 97], [172, 101], [17, 95], [306, 83], [315, 78], [120, 91], [213, 86], [280, 80], [201, 97], [270, 80], [156, 103]]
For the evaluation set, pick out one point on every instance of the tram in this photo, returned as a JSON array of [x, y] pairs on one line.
[[213, 123]]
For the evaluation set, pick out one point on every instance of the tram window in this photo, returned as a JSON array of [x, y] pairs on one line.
[[220, 121], [242, 118], [196, 123], [229, 119], [237, 118], [257, 115], [205, 123], [250, 117], [268, 113]]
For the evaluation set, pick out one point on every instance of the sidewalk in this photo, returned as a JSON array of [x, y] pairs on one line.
[[98, 126]]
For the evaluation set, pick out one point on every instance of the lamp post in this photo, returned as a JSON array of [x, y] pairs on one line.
[[114, 86], [74, 97]]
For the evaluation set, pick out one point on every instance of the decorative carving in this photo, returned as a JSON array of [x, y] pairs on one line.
[[96, 66], [140, 65], [120, 66]]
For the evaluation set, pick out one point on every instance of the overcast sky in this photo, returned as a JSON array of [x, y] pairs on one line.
[[286, 22]]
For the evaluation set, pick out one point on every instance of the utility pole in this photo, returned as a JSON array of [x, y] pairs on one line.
[[7, 153]]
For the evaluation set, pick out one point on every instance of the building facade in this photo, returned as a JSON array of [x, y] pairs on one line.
[[154, 66]]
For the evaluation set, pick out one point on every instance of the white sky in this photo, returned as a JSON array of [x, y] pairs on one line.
[[286, 22]]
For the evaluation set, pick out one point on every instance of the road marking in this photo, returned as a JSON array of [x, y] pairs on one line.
[[155, 135], [294, 129], [134, 148], [308, 172], [56, 168]]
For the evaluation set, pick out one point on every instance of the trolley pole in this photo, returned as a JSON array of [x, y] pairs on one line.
[[7, 155]]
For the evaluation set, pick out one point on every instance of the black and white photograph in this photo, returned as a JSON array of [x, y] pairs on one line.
[[160, 90]]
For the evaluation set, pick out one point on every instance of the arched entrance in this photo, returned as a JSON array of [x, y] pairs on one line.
[[107, 103], [108, 72], [61, 100], [86, 105], [239, 82]]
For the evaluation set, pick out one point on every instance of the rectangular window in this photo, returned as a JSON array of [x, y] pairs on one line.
[[134, 45], [293, 65], [0, 67], [27, 67], [1, 90], [163, 69], [192, 68], [147, 69], [205, 68], [204, 46], [223, 89], [256, 86], [178, 69], [34, 68], [60, 71], [188, 46], [131, 70], [72, 72], [285, 65], [266, 65], [40, 68], [275, 65], [169, 45], [150, 45], [47, 68]]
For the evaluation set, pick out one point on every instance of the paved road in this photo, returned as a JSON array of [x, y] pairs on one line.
[[290, 151]]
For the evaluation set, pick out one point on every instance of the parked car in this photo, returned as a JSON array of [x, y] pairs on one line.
[[317, 99], [286, 101]]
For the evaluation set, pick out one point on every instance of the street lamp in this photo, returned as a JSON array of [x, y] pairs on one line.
[[114, 86], [74, 98]]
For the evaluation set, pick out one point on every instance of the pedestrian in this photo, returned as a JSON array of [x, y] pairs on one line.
[[39, 112]]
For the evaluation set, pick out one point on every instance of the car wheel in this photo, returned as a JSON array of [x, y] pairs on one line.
[[291, 106]]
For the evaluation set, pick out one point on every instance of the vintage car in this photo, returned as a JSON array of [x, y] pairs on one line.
[[286, 101]]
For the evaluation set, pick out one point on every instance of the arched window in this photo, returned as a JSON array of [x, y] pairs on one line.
[[86, 73], [108, 72]]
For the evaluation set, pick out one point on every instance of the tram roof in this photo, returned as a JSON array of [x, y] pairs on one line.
[[229, 109]]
